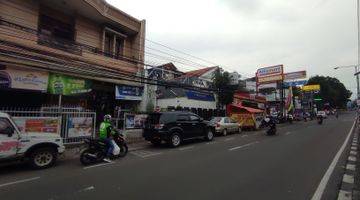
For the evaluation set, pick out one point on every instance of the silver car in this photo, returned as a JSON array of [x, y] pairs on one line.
[[225, 125]]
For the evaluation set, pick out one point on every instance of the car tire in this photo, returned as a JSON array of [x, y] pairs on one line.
[[225, 132], [156, 142], [175, 140], [43, 158], [209, 135]]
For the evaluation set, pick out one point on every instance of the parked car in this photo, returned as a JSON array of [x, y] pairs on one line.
[[40, 150], [225, 125], [322, 113], [174, 127]]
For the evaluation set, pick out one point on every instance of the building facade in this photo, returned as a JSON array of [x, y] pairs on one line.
[[83, 53]]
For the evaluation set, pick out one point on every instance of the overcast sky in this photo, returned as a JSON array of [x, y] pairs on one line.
[[244, 35]]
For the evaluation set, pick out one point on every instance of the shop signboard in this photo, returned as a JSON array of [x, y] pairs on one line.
[[295, 75], [270, 74], [80, 127], [307, 88], [16, 78], [67, 85], [126, 92], [129, 121], [295, 83], [200, 96], [38, 124]]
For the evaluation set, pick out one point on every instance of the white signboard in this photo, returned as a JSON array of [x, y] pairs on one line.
[[23, 79], [270, 71]]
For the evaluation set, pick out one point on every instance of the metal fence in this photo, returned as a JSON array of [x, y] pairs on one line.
[[73, 122]]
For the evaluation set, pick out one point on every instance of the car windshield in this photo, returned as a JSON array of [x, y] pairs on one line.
[[215, 119]]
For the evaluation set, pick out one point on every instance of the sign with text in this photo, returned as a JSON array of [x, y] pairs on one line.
[[80, 127], [67, 85], [23, 79], [38, 124], [311, 88], [295, 83], [270, 74], [126, 92], [295, 75]]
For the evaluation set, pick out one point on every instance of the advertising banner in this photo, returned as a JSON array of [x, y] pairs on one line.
[[17, 78], [295, 83], [311, 88], [80, 127], [38, 124], [125, 92], [129, 121], [270, 74], [67, 85], [295, 75], [200, 96], [140, 121]]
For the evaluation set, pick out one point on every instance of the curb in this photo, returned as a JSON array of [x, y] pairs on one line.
[[346, 191]]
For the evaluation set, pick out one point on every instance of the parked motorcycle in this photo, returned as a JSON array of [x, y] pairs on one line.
[[96, 150]]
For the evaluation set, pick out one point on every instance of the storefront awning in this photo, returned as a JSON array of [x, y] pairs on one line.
[[251, 110]]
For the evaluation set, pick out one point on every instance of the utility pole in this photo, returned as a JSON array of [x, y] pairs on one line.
[[358, 64]]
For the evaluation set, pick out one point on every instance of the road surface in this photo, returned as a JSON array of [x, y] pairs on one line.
[[241, 166]]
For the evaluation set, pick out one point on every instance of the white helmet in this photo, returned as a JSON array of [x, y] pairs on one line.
[[107, 118]]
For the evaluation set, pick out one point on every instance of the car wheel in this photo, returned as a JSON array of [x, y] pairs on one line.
[[175, 140], [209, 135], [225, 132], [43, 158]]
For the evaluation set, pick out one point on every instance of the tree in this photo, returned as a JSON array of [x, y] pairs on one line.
[[331, 90], [225, 91]]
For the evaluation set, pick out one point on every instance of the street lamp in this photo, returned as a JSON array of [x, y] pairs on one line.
[[356, 74]]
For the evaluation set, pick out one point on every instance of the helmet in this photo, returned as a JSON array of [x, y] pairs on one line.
[[107, 118]]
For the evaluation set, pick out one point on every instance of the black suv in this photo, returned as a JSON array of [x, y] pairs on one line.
[[173, 127]]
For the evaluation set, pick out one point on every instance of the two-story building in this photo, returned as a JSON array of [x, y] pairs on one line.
[[80, 53]]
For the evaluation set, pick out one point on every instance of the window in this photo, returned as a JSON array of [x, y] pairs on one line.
[[194, 118], [113, 43], [55, 28], [182, 118], [4, 125]]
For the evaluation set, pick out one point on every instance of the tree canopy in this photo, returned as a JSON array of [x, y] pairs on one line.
[[225, 91], [331, 90]]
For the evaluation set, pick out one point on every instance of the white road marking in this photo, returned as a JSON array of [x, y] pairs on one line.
[[352, 158], [288, 133], [354, 144], [344, 195], [87, 189], [245, 136], [211, 143], [350, 167], [150, 155], [19, 181], [99, 165], [353, 152], [242, 146], [228, 139], [348, 179], [145, 154], [186, 148], [320, 189]]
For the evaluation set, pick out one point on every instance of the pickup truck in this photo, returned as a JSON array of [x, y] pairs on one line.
[[40, 150]]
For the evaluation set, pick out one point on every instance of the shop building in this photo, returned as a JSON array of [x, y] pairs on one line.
[[83, 53]]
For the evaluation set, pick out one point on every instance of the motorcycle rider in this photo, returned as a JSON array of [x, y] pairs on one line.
[[106, 130]]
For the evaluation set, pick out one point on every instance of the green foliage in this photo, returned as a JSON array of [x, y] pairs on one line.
[[332, 90], [225, 91]]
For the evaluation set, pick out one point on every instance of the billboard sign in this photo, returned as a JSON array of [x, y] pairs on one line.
[[80, 127], [67, 85], [311, 88], [270, 74], [295, 75], [38, 124], [126, 92], [295, 83], [23, 79]]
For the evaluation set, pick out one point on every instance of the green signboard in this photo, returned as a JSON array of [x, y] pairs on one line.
[[67, 85]]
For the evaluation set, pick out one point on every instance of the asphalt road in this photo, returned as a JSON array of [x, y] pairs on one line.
[[241, 166]]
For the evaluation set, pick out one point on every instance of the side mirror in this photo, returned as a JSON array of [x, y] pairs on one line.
[[9, 131]]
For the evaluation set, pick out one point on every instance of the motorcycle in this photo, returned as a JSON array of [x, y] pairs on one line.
[[319, 119], [267, 122], [96, 150], [290, 118]]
